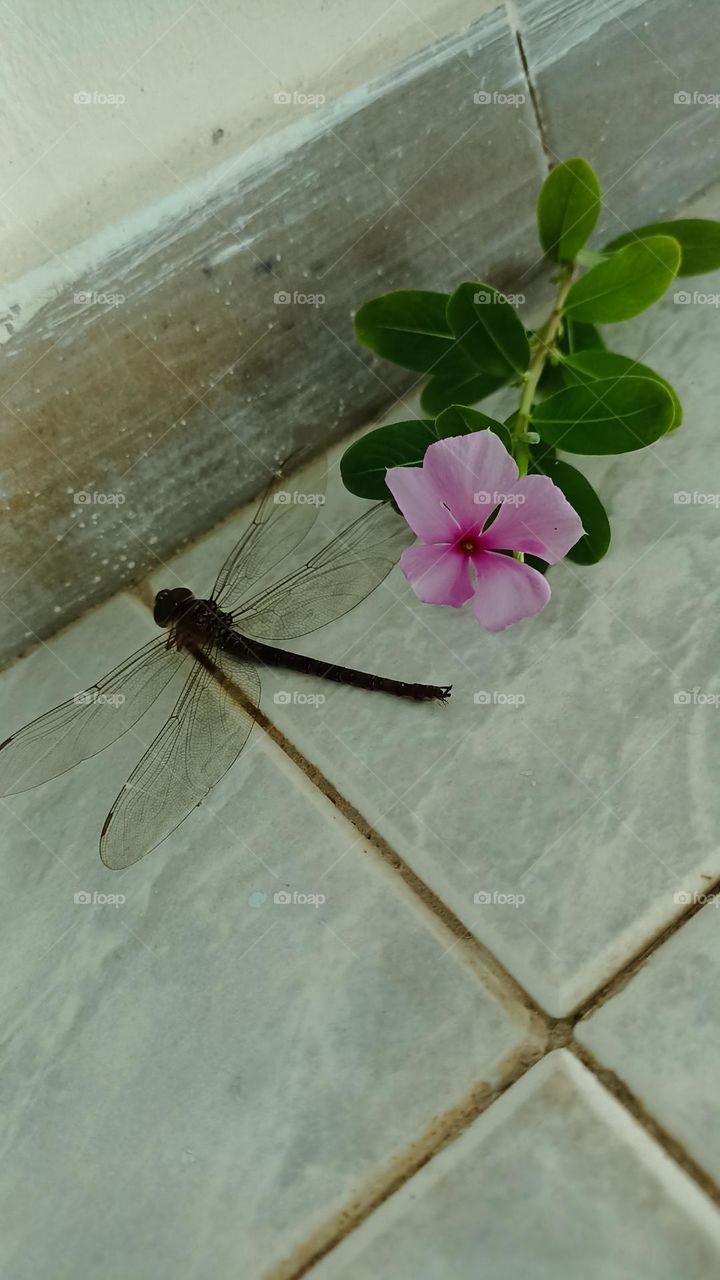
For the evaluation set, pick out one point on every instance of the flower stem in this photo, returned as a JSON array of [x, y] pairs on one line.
[[546, 336]]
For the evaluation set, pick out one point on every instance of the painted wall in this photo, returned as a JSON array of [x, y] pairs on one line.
[[105, 107]]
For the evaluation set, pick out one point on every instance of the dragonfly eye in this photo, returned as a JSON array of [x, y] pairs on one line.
[[165, 610]]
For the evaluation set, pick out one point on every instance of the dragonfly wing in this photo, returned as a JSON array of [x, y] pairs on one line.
[[202, 738], [87, 723], [285, 516], [332, 583]]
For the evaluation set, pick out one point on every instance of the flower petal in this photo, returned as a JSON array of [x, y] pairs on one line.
[[506, 591], [437, 575], [536, 518], [469, 471], [421, 504]]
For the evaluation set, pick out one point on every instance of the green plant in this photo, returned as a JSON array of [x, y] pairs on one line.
[[574, 395]]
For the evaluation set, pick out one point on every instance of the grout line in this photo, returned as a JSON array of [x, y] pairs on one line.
[[473, 949], [627, 971], [514, 23], [559, 1032], [453, 1123], [672, 1147], [440, 1133]]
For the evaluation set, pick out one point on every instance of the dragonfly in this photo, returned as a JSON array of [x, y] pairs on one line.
[[215, 648]]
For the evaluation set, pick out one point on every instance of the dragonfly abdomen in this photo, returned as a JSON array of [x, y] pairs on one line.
[[247, 650]]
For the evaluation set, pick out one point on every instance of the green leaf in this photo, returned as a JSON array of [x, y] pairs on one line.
[[595, 541], [567, 209], [403, 444], [440, 393], [400, 444], [550, 378], [610, 415], [459, 420], [631, 280], [699, 240], [587, 366], [410, 327], [580, 337], [488, 329]]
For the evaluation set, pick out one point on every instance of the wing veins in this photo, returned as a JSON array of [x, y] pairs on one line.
[[365, 545], [193, 750]]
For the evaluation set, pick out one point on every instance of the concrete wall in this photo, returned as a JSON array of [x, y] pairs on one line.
[[196, 83]]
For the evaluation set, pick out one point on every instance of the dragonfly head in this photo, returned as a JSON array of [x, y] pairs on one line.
[[171, 605]]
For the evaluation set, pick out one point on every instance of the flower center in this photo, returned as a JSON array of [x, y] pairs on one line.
[[468, 545]]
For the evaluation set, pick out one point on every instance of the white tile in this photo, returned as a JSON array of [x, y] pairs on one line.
[[661, 1035], [194, 1079], [554, 1181], [592, 798]]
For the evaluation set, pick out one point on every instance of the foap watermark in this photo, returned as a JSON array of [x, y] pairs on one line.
[[683, 898], [696, 698], [283, 298], [86, 899], [495, 98], [93, 697], [284, 898], [489, 297], [485, 496], [498, 698], [297, 498], [97, 98], [286, 698], [88, 498], [686, 298], [496, 899], [683, 498], [695, 98], [283, 98], [97, 298]]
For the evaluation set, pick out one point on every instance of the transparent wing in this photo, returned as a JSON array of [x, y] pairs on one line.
[[286, 514], [87, 723], [202, 738], [332, 583]]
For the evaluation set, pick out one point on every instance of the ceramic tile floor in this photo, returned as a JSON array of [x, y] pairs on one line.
[[406, 1079]]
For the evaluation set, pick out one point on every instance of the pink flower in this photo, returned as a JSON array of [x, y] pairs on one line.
[[448, 503]]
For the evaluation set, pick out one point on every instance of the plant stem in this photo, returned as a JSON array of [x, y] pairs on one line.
[[546, 336]]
